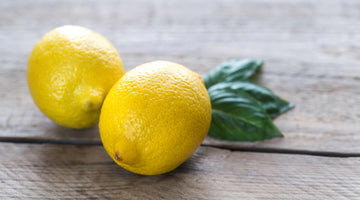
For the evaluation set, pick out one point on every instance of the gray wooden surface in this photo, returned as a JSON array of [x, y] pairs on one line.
[[32, 171], [312, 55]]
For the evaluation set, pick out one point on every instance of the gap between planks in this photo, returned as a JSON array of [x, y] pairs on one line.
[[243, 149]]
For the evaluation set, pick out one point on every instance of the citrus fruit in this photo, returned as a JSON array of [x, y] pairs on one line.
[[70, 71], [155, 117]]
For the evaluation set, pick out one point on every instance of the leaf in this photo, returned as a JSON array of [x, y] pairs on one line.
[[232, 70], [242, 110], [273, 104], [237, 116]]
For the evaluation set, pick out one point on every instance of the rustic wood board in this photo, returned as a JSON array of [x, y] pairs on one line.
[[308, 127], [309, 46], [86, 172]]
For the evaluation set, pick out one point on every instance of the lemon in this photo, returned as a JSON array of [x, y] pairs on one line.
[[155, 117], [70, 71]]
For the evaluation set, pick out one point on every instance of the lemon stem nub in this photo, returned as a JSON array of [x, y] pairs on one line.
[[126, 153], [118, 157], [91, 99]]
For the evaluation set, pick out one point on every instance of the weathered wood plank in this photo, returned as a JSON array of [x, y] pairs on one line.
[[312, 126], [83, 172], [310, 49]]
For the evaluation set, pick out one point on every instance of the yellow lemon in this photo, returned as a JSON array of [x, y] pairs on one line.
[[155, 117], [70, 71]]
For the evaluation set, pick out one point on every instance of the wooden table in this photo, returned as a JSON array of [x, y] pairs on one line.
[[312, 54]]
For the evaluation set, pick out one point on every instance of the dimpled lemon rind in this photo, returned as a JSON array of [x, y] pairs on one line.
[[155, 117], [70, 71]]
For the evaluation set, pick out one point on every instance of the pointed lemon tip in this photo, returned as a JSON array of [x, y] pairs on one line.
[[89, 98], [126, 153], [126, 157], [91, 104], [118, 157]]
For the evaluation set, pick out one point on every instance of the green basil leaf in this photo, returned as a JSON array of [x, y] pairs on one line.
[[273, 104], [232, 70], [237, 116]]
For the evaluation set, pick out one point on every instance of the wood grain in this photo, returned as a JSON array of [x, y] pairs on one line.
[[86, 172], [310, 49]]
